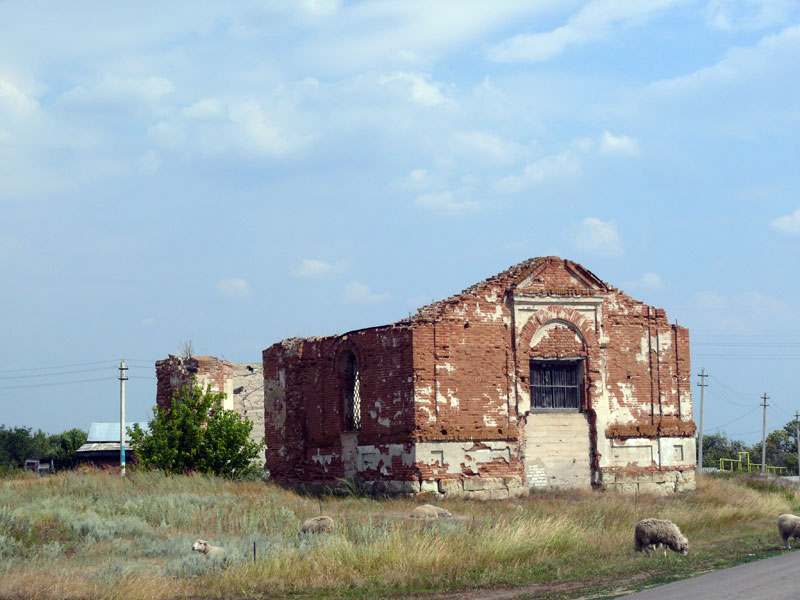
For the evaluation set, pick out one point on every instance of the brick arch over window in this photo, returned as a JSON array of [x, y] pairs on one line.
[[558, 314], [575, 321]]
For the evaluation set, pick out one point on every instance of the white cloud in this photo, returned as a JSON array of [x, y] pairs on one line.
[[596, 21], [788, 224], [709, 300], [261, 131], [553, 166], [650, 282], [418, 174], [251, 127], [748, 14], [234, 288], [596, 238], [745, 312], [419, 87], [444, 202], [485, 145], [149, 163], [311, 268], [360, 293], [208, 108], [115, 92], [750, 93], [15, 102], [624, 145]]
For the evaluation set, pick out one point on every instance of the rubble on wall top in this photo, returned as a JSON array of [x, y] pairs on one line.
[[509, 277]]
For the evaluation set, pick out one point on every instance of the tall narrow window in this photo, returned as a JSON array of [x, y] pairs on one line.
[[352, 393], [556, 384]]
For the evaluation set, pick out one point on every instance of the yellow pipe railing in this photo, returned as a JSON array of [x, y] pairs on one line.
[[744, 464]]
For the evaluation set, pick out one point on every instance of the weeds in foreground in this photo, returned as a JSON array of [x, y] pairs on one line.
[[97, 535]]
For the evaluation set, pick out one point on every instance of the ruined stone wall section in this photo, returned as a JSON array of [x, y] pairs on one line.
[[175, 372], [283, 411], [248, 397], [304, 383]]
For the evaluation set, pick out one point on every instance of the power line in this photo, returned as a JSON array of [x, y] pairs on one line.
[[731, 391], [37, 375], [33, 385], [736, 419], [97, 362], [750, 356], [726, 399], [747, 335], [749, 344]]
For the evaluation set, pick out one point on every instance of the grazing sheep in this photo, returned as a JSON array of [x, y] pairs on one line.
[[322, 524], [652, 532], [206, 549], [788, 526], [429, 511]]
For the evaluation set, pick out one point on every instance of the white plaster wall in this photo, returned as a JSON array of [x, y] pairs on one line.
[[647, 452], [557, 446], [446, 456]]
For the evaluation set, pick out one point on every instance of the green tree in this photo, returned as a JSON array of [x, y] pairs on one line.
[[197, 434], [717, 445], [64, 447], [19, 443]]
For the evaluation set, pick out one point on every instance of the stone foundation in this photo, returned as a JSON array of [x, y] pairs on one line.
[[653, 482], [470, 488]]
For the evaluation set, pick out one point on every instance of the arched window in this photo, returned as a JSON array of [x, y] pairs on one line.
[[352, 393]]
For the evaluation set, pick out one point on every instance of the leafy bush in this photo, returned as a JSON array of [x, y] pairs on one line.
[[197, 434]]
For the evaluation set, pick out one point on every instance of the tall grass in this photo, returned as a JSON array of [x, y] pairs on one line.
[[97, 535]]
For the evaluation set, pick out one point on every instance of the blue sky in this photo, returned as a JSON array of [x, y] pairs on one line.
[[234, 174]]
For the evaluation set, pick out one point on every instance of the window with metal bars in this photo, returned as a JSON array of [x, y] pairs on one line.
[[556, 384], [352, 394]]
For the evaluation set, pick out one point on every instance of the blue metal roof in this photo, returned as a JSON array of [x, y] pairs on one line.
[[109, 432]]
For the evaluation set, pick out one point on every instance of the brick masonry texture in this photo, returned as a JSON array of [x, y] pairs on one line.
[[445, 402]]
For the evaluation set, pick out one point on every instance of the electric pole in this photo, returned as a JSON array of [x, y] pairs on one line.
[[122, 379], [797, 435], [703, 385], [764, 436]]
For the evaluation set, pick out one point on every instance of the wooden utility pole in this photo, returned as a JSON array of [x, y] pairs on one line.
[[703, 385], [764, 436], [122, 379]]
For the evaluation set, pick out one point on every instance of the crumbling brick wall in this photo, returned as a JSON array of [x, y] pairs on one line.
[[304, 405], [446, 395]]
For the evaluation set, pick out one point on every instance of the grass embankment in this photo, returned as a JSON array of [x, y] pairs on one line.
[[78, 535]]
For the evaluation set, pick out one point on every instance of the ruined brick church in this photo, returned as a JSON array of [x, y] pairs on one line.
[[541, 376]]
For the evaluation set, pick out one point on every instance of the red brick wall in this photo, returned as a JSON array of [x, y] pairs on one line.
[[313, 399], [456, 372], [175, 372]]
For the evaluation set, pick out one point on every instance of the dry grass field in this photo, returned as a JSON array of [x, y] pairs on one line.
[[95, 535]]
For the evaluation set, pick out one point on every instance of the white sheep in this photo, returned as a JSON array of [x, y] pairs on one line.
[[652, 532], [429, 511], [206, 549], [321, 524], [788, 526]]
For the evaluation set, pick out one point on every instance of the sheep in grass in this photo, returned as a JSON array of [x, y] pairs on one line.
[[652, 532], [206, 549], [429, 511], [788, 526], [321, 524]]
